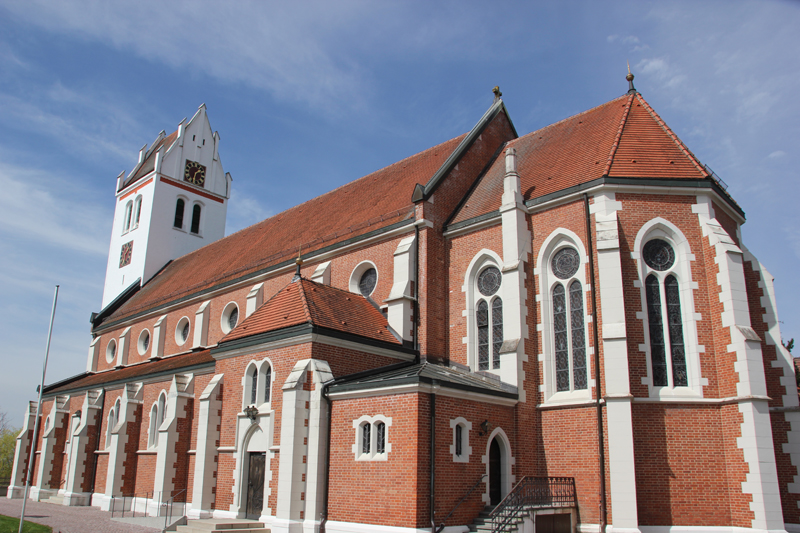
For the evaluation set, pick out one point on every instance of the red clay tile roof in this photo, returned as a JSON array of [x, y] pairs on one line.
[[307, 302], [133, 372], [621, 138], [149, 163], [367, 204]]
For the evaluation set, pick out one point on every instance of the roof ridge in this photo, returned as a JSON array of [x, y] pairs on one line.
[[688, 153], [615, 144], [304, 300], [512, 141]]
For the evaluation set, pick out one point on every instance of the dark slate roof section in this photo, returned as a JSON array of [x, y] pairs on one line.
[[424, 192], [425, 373], [149, 369]]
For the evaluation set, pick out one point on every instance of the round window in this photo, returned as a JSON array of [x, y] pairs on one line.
[[111, 351], [658, 254], [565, 263], [368, 281], [144, 342], [229, 318], [233, 318], [182, 331], [489, 281]]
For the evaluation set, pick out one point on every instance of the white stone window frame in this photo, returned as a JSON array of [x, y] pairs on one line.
[[659, 228], [466, 449], [358, 271], [152, 428], [247, 385], [507, 462], [137, 212], [159, 409], [140, 342], [546, 281], [127, 217], [202, 206], [186, 203], [179, 339], [224, 319], [481, 261], [111, 351], [372, 421], [113, 418]]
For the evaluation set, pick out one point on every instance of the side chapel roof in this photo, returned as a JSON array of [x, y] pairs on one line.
[[621, 138], [306, 302]]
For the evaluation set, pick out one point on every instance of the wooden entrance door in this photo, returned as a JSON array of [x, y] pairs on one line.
[[495, 474], [255, 485]]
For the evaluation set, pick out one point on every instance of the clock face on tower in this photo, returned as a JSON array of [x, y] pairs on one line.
[[195, 173]]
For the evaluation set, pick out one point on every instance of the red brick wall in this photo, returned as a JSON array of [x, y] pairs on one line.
[[392, 492]]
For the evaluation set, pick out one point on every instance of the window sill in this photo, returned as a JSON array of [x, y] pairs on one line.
[[376, 457], [149, 451]]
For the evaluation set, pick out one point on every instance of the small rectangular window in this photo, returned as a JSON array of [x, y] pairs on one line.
[[380, 437], [365, 438], [459, 439]]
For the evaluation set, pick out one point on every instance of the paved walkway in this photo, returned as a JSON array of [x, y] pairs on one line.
[[70, 519]]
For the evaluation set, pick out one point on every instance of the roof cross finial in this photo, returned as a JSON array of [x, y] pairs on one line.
[[497, 93], [629, 77]]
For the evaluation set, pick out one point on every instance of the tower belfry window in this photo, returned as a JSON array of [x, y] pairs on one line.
[[196, 219], [179, 207]]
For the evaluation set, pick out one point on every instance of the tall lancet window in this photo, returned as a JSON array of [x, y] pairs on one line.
[[254, 386], [667, 350], [489, 312], [569, 329]]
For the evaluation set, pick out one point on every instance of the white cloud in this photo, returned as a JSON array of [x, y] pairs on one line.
[[244, 210], [51, 210], [776, 154]]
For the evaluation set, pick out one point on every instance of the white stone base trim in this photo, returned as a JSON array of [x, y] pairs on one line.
[[353, 527], [15, 493], [219, 513], [706, 529], [77, 499], [199, 514]]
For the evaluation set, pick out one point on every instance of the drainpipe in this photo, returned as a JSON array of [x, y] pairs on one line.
[[433, 458], [599, 405], [416, 289]]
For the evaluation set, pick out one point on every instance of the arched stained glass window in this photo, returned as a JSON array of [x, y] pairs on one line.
[[497, 331], [489, 281], [380, 437], [561, 337], [366, 438], [180, 205], [658, 354], [672, 293], [459, 437], [267, 383], [253, 386], [196, 219], [578, 336], [482, 316]]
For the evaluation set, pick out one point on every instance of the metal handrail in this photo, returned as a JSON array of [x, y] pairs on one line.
[[441, 527], [542, 492], [132, 496], [169, 505]]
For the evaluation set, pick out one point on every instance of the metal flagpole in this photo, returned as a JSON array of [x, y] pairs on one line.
[[38, 411]]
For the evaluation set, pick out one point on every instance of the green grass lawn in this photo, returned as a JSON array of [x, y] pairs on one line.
[[11, 525]]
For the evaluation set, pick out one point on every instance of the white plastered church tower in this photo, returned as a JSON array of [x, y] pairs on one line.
[[173, 202]]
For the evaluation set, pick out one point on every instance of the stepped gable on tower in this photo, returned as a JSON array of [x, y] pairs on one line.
[[374, 202], [622, 138]]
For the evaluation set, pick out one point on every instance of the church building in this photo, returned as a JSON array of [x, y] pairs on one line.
[[559, 331]]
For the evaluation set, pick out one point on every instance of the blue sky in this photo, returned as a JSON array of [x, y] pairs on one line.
[[310, 95]]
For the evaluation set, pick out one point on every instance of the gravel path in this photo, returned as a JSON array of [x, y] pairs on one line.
[[65, 519]]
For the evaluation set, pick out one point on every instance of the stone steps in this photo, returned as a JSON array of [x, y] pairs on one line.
[[214, 525], [55, 500]]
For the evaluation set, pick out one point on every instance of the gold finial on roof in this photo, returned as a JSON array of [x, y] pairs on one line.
[[497, 93], [629, 77]]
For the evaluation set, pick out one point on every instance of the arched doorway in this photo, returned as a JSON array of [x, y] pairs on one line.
[[495, 472], [254, 473]]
